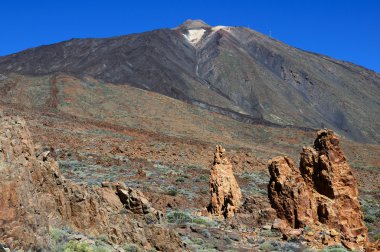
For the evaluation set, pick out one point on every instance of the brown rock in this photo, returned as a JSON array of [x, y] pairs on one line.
[[255, 211], [292, 233], [321, 192], [281, 225], [289, 194], [36, 197], [225, 192], [135, 201], [373, 247]]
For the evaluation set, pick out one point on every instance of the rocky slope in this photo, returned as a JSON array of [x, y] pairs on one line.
[[230, 70], [173, 174], [36, 198]]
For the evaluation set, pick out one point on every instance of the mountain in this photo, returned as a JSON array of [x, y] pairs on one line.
[[109, 144], [229, 70]]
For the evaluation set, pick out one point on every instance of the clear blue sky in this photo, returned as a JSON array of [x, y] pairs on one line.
[[347, 30]]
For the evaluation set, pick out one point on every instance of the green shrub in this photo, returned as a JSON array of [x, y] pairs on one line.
[[377, 215], [197, 241], [200, 221], [58, 239], [172, 192], [178, 217], [376, 237], [57, 235], [369, 219], [269, 233], [180, 179], [102, 249], [266, 246], [74, 246], [335, 249], [103, 238], [128, 247], [205, 191]]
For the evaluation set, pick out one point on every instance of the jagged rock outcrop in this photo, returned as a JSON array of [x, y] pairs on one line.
[[285, 190], [134, 200], [224, 189], [35, 197], [321, 194]]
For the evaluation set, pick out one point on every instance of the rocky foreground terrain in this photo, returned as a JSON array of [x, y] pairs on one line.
[[174, 203]]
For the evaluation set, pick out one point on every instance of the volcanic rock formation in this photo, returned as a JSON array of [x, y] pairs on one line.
[[35, 197], [322, 194], [225, 191]]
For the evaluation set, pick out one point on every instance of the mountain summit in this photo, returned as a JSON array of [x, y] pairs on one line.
[[193, 24], [233, 71]]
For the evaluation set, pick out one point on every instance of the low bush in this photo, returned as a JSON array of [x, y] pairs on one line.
[[178, 217], [128, 247], [180, 179], [172, 192], [74, 246], [335, 249], [266, 246], [376, 237], [369, 219]]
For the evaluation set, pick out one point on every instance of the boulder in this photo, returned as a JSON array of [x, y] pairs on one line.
[[224, 189], [321, 194], [135, 201]]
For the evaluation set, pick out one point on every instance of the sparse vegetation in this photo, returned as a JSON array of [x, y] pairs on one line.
[[60, 242], [369, 219], [266, 246], [270, 233], [172, 191], [178, 217], [335, 249], [129, 247], [376, 237], [74, 246]]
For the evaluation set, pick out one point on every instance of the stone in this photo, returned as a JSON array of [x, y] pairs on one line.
[[322, 193], [224, 189], [135, 201], [373, 247], [267, 227], [35, 198], [310, 233], [294, 233], [333, 232], [289, 194], [279, 224], [4, 248]]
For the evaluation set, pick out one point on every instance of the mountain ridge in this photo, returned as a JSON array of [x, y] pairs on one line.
[[230, 70]]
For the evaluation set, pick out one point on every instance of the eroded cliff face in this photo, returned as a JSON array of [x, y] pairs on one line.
[[322, 194], [22, 223], [224, 189], [35, 197]]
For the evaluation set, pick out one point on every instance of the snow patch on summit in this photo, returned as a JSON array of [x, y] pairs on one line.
[[220, 27], [194, 35]]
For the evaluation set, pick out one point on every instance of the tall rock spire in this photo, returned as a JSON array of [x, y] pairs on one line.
[[224, 189], [321, 194]]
